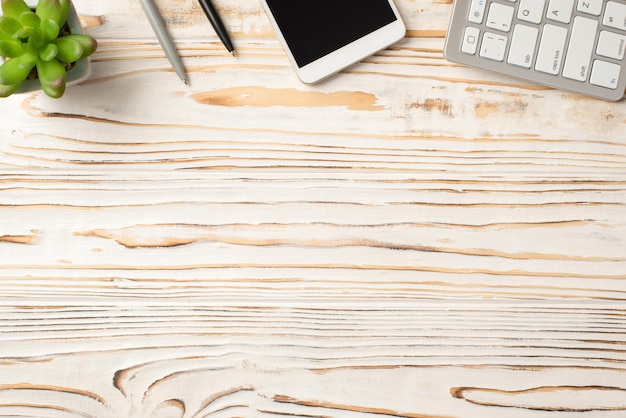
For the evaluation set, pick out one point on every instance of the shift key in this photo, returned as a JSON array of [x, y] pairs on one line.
[[578, 61]]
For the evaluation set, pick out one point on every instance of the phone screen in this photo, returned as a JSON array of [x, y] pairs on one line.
[[315, 28]]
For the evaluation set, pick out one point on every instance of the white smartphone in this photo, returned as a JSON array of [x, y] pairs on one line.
[[322, 37]]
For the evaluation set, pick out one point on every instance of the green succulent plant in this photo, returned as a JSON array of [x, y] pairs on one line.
[[36, 43]]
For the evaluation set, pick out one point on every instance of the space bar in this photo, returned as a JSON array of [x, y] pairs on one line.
[[577, 63]]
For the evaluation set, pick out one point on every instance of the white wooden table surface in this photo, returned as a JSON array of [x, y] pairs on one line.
[[411, 238]]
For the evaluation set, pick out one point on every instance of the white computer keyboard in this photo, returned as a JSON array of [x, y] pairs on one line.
[[575, 45]]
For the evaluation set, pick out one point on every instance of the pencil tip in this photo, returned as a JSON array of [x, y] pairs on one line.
[[186, 81], [233, 53]]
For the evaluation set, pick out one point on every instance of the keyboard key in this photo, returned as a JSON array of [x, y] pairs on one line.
[[500, 17], [592, 7], [615, 15], [493, 46], [580, 49], [531, 10], [470, 40], [560, 10], [477, 11], [611, 45], [551, 49], [605, 74], [523, 45]]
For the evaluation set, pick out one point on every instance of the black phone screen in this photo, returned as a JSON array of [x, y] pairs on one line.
[[315, 28]]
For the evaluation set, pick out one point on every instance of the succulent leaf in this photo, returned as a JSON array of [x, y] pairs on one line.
[[52, 75], [29, 19], [70, 49], [36, 39], [16, 69], [89, 44], [50, 29], [6, 91], [66, 6], [14, 8], [49, 9], [23, 34], [48, 53], [5, 36], [71, 45], [11, 49], [10, 26]]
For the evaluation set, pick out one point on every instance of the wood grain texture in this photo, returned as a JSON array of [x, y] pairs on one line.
[[411, 238]]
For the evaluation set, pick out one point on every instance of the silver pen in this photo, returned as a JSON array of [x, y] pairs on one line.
[[168, 46]]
